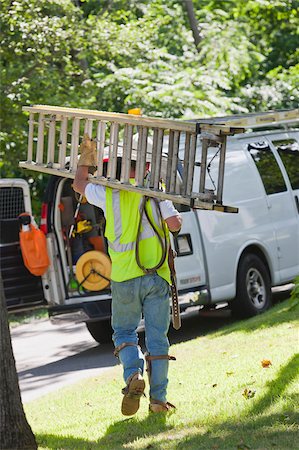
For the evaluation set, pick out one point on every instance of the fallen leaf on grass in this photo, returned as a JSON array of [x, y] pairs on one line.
[[266, 363], [248, 393], [229, 373]]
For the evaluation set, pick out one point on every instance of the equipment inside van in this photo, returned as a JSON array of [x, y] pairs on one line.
[[234, 179], [21, 289]]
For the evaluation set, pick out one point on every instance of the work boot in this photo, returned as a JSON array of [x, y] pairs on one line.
[[156, 406], [132, 393]]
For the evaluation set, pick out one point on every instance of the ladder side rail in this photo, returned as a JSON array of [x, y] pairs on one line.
[[127, 153], [30, 137], [51, 141], [62, 143], [149, 122], [203, 201], [248, 121], [101, 131], [40, 139], [74, 144]]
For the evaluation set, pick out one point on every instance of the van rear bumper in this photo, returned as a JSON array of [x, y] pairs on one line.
[[95, 311], [81, 312]]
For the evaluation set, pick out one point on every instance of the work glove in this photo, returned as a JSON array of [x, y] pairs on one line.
[[88, 154]]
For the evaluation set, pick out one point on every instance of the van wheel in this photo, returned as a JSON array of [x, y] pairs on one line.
[[101, 331], [254, 294]]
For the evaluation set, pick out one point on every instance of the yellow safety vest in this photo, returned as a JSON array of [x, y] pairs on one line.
[[123, 216]]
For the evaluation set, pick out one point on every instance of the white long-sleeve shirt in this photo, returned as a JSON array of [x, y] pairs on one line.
[[96, 195]]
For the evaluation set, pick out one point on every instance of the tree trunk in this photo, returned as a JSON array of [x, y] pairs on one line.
[[15, 432], [193, 23]]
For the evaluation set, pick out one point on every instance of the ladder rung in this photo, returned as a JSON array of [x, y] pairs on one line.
[[101, 131], [156, 158], [127, 152], [40, 139], [75, 144], [62, 142]]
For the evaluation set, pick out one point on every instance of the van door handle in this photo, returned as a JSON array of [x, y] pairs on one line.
[[297, 202]]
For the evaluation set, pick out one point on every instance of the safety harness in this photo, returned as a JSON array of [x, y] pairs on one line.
[[163, 242]]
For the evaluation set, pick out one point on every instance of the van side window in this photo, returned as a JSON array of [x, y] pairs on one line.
[[267, 166], [288, 150]]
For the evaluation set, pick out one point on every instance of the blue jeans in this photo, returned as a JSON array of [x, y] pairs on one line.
[[147, 295]]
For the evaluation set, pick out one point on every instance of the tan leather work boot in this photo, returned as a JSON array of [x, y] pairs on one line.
[[156, 406], [132, 393]]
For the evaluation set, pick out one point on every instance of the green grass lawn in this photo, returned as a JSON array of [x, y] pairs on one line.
[[225, 398]]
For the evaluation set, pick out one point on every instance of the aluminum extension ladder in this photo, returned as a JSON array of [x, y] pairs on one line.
[[54, 139]]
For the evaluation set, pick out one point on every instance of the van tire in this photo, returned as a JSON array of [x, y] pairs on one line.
[[101, 331], [254, 294]]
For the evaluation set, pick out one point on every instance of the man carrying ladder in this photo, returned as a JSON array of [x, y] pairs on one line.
[[137, 230]]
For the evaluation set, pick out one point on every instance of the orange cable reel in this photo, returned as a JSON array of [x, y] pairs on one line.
[[93, 270]]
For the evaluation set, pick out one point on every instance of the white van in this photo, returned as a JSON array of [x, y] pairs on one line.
[[220, 256]]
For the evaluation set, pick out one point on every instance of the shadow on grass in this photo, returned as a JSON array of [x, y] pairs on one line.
[[117, 435], [268, 432], [276, 316], [55, 442], [125, 431], [263, 432], [275, 388]]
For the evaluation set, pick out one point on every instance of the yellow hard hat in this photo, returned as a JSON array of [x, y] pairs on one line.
[[90, 267], [135, 111]]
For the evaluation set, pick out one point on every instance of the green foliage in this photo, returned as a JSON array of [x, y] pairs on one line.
[[279, 89], [112, 55]]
